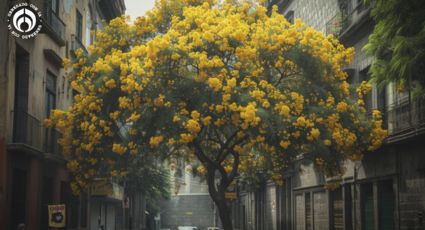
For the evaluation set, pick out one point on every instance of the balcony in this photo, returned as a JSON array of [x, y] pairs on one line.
[[343, 22], [54, 26], [30, 136], [77, 44], [406, 119], [27, 131], [111, 8]]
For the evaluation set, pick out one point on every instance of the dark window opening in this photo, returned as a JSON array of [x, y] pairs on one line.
[[386, 204], [83, 212], [21, 119], [50, 104], [348, 207], [18, 202], [50, 93], [79, 26], [367, 207], [284, 199]]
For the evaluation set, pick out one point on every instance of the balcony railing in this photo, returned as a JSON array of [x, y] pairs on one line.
[[77, 44], [29, 131], [405, 117], [341, 22], [51, 144], [55, 25]]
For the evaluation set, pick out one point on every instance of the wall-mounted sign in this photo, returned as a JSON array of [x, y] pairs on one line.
[[107, 188], [57, 215], [230, 195]]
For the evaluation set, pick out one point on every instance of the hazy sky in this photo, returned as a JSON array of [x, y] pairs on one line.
[[138, 7]]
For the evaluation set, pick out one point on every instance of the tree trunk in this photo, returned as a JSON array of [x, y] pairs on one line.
[[225, 215], [217, 191], [217, 195]]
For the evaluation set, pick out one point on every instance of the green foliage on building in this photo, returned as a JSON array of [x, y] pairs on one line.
[[398, 43]]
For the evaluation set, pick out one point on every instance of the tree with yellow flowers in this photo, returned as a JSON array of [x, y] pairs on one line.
[[240, 91]]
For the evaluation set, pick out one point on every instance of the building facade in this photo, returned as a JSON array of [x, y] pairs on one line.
[[190, 203], [385, 190], [32, 82]]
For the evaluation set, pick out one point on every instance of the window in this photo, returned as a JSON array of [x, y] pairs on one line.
[[21, 123], [340, 208], [308, 212], [368, 214], [290, 16], [320, 213], [386, 205], [348, 201], [299, 212], [378, 205], [79, 26], [337, 206], [55, 6], [50, 93], [260, 201], [382, 104], [284, 198], [50, 136], [311, 210]]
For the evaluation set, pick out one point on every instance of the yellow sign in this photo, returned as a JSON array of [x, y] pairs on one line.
[[230, 195], [57, 215], [106, 188]]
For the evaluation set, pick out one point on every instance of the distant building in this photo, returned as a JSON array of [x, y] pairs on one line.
[[386, 190], [190, 203], [32, 82]]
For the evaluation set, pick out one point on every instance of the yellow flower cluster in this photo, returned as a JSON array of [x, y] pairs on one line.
[[193, 126], [248, 114], [341, 107], [155, 141], [214, 83], [119, 149]]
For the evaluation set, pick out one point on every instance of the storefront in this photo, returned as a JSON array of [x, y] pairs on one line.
[[105, 205]]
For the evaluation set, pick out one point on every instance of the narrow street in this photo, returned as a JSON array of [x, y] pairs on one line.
[[212, 115]]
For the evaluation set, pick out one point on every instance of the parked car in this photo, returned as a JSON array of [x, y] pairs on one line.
[[187, 228]]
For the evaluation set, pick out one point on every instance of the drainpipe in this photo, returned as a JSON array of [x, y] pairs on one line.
[[356, 167], [398, 165], [410, 99]]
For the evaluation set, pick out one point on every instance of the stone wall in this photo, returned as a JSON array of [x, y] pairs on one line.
[[187, 210], [315, 13], [412, 186]]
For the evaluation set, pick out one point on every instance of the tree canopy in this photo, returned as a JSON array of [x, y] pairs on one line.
[[398, 42], [242, 92]]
